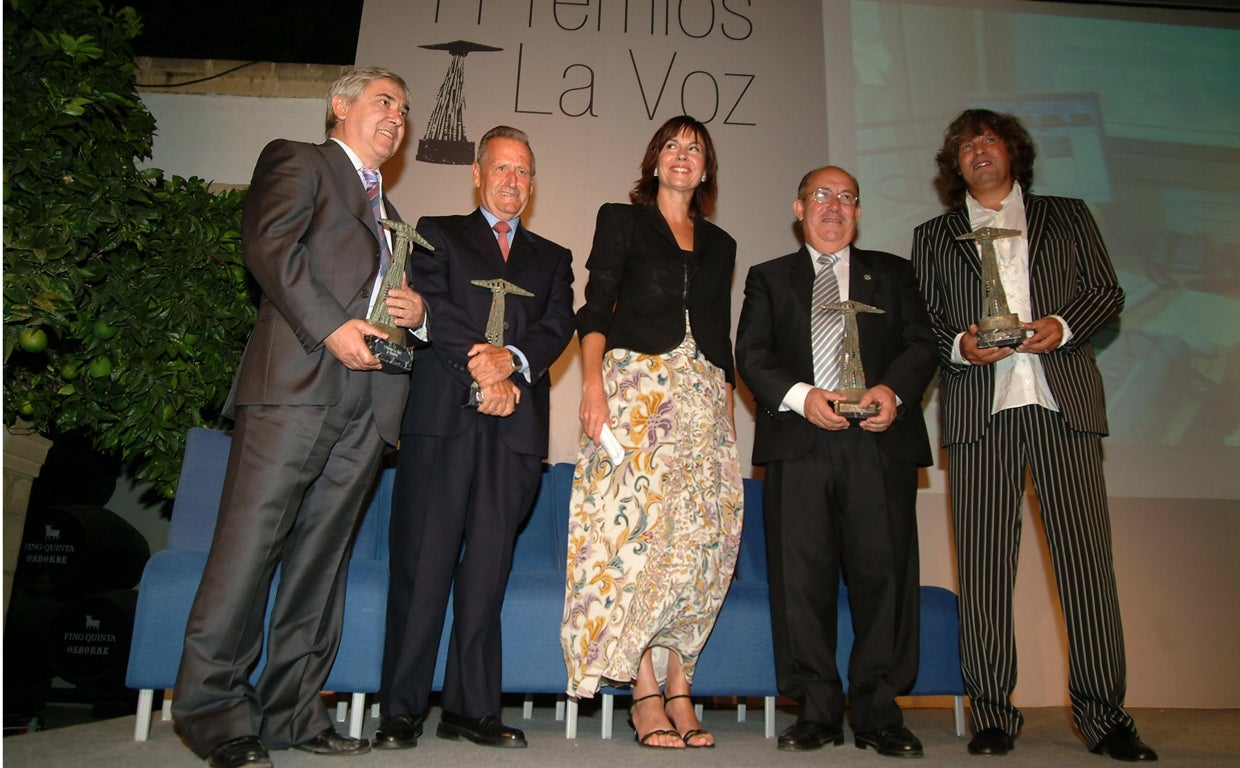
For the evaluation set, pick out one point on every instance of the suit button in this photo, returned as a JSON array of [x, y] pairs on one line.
[[505, 325]]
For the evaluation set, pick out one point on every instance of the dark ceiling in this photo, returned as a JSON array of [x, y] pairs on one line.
[[325, 31], [304, 31]]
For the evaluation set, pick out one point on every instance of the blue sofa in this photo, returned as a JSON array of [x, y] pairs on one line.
[[737, 661], [170, 581]]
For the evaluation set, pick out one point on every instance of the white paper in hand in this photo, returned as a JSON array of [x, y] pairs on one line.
[[610, 444]]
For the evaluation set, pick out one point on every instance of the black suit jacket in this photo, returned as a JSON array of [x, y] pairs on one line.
[[641, 283], [540, 326], [315, 255], [774, 352], [1070, 275]]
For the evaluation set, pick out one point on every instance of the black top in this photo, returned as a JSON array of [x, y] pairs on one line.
[[641, 282]]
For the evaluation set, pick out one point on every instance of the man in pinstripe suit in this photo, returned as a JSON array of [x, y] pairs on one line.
[[1039, 404]]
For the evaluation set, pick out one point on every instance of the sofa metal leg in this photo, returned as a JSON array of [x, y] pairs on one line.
[[958, 708], [357, 714], [609, 710], [768, 716], [142, 725], [570, 719]]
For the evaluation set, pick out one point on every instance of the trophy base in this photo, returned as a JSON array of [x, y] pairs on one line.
[[1000, 331], [851, 408], [395, 358]]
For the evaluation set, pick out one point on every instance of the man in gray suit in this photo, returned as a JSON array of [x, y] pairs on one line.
[[1038, 404], [313, 415]]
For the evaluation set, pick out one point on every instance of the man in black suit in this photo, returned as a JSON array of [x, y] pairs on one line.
[[1039, 404], [839, 493], [313, 414], [467, 474]]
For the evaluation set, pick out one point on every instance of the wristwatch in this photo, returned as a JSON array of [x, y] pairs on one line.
[[516, 362]]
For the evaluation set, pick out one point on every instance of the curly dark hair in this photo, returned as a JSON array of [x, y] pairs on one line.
[[971, 123], [646, 189]]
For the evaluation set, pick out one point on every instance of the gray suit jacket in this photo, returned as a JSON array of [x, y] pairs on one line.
[[1070, 275], [310, 240]]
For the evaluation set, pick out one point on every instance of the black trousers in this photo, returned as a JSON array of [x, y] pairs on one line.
[[456, 508], [844, 507]]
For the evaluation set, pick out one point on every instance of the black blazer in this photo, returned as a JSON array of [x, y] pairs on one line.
[[1070, 275], [310, 240], [641, 282], [774, 352], [540, 325]]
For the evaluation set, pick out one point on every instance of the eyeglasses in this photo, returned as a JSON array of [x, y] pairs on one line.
[[823, 195]]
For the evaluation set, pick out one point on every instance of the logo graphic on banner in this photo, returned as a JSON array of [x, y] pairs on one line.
[[445, 142]]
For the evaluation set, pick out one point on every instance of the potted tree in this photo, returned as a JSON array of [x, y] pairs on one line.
[[126, 303]]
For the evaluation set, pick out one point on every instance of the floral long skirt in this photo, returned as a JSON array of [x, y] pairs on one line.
[[652, 541]]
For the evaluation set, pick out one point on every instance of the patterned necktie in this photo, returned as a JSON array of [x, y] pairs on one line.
[[372, 193], [827, 326], [501, 235]]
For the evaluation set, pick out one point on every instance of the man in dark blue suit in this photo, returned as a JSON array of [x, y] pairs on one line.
[[839, 494], [1038, 405], [469, 466]]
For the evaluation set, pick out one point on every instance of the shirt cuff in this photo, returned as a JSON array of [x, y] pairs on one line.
[[1067, 332], [524, 370], [958, 358], [795, 399]]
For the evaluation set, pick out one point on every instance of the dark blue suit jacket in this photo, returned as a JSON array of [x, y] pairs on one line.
[[540, 326]]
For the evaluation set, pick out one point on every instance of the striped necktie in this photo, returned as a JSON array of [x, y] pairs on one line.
[[372, 193], [826, 326]]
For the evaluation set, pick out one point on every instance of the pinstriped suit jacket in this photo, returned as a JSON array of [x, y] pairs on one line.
[[1070, 275]]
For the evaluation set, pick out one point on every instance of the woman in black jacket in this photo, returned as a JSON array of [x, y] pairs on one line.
[[655, 525]]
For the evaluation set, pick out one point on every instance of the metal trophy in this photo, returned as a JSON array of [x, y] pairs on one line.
[[852, 375], [395, 356], [998, 326], [499, 288]]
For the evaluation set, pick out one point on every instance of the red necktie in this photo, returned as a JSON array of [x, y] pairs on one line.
[[501, 235]]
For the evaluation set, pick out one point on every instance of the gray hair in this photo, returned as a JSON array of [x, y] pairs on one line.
[[505, 132], [352, 84]]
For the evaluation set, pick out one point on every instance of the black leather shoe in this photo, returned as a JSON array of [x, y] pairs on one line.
[[400, 732], [992, 741], [486, 730], [896, 741], [804, 735], [1123, 744], [242, 751], [334, 744]]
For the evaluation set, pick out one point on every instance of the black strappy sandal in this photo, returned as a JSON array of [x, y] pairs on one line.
[[692, 732], [644, 741]]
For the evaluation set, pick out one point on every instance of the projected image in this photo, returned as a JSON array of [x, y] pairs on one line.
[[1140, 120]]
